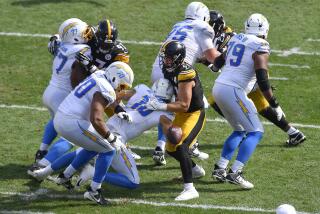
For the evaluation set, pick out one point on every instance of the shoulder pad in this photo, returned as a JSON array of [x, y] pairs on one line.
[[227, 29], [186, 75], [259, 45], [74, 48], [120, 48], [204, 28]]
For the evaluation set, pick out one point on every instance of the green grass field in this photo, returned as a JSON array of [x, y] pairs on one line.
[[280, 174]]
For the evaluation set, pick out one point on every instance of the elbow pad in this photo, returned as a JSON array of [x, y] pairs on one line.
[[262, 79]]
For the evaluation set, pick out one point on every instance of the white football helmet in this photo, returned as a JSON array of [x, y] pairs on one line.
[[257, 25], [120, 75], [162, 89], [75, 31], [197, 10]]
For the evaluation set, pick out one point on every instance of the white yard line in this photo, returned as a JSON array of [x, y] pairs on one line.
[[22, 212], [284, 53], [313, 40], [45, 193], [288, 65], [279, 78], [219, 120]]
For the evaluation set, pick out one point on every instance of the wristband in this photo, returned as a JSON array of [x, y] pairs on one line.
[[110, 137]]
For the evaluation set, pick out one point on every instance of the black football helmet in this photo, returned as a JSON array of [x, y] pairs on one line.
[[217, 22], [106, 34], [171, 55]]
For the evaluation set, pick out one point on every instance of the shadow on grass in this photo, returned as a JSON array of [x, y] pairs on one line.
[[30, 3]]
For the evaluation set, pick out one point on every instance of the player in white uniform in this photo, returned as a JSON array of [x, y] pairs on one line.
[[80, 119], [73, 34], [196, 35], [245, 64]]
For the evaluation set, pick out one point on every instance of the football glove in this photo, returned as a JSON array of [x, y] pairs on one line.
[[86, 62], [125, 116], [214, 69], [154, 104], [117, 144], [53, 44]]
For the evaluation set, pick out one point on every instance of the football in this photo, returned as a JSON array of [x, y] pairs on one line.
[[286, 209], [174, 134]]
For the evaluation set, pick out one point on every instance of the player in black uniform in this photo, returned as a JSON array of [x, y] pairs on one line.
[[188, 108], [105, 49], [223, 34]]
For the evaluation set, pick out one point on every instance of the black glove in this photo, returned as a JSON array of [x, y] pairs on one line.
[[53, 44], [213, 68], [86, 62]]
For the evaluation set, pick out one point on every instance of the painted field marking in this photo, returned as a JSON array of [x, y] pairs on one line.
[[283, 53], [313, 40], [279, 78], [29, 196], [288, 65], [22, 212], [217, 119]]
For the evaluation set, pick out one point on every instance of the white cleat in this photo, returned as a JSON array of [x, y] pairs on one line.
[[198, 172], [195, 152], [86, 174], [238, 179], [39, 174], [187, 195]]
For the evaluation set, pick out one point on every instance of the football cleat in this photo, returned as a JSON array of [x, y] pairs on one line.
[[198, 172], [62, 180], [238, 179], [219, 173], [134, 155], [158, 157], [187, 194], [33, 168], [95, 196], [195, 152], [38, 174], [86, 174], [296, 138], [39, 155]]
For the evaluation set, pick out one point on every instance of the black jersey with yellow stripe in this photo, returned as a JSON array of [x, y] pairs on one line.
[[103, 59], [221, 40], [186, 73]]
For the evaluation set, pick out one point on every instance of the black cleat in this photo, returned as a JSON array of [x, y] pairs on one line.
[[219, 173], [62, 180], [296, 139], [238, 179], [95, 196], [158, 157], [39, 155]]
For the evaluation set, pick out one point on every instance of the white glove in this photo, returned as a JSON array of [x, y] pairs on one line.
[[117, 144], [125, 116], [154, 104], [279, 112]]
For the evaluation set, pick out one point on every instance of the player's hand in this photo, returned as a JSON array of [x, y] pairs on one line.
[[154, 104], [53, 44], [125, 116], [86, 62], [214, 69], [279, 112], [117, 144]]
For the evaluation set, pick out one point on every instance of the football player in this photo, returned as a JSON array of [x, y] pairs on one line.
[[142, 120], [196, 35], [73, 34], [188, 108], [246, 63], [223, 34], [80, 119]]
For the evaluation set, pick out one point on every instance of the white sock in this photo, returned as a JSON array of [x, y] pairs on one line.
[[223, 163], [188, 186], [95, 186], [161, 144], [47, 171], [237, 165], [44, 162], [292, 130], [69, 171], [44, 147]]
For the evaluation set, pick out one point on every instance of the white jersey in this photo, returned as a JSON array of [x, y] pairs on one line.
[[239, 68], [142, 118], [62, 62], [78, 103], [197, 37]]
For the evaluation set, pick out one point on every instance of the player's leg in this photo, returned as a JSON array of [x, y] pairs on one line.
[[295, 136], [191, 125]]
